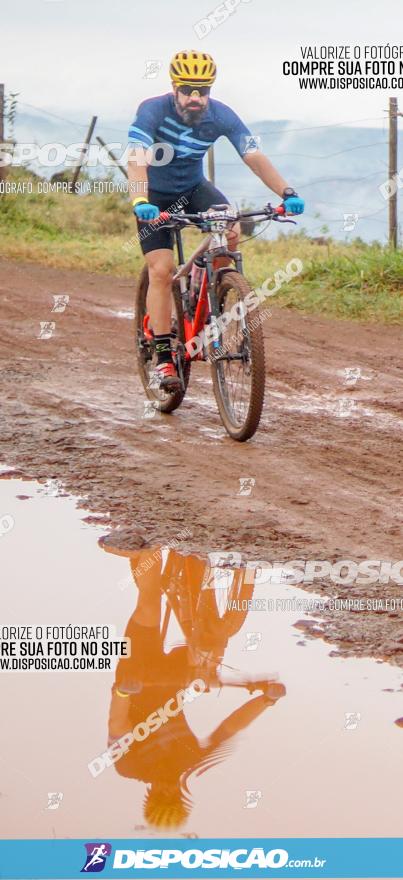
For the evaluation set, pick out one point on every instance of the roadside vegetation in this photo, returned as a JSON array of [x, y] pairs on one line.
[[96, 232]]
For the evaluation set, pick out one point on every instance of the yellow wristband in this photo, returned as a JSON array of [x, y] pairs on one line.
[[139, 200], [120, 694]]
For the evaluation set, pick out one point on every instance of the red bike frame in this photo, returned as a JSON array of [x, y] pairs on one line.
[[194, 327]]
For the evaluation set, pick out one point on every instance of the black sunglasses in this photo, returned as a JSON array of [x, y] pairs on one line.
[[187, 90]]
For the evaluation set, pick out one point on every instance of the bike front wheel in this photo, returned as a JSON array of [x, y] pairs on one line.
[[237, 359]]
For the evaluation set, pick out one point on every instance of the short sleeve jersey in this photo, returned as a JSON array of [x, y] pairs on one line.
[[157, 122]]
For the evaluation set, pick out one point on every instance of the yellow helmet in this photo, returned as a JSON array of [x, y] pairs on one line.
[[166, 806], [192, 68]]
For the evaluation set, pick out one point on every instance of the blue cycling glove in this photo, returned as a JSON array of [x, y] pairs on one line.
[[294, 205], [145, 211]]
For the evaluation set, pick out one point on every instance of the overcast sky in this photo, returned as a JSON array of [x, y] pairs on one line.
[[79, 57]]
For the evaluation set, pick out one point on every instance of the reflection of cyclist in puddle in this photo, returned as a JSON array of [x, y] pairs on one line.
[[146, 681]]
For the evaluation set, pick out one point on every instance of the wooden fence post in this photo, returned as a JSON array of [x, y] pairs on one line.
[[112, 155], [83, 153]]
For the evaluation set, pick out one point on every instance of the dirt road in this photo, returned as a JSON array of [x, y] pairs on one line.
[[327, 459]]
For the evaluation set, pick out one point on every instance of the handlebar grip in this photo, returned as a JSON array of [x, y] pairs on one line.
[[163, 215], [280, 209]]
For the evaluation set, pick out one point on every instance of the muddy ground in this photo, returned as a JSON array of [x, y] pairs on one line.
[[327, 459]]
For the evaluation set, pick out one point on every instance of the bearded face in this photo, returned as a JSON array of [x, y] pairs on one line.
[[190, 107]]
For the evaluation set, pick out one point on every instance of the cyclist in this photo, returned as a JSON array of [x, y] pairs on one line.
[[186, 122], [171, 755]]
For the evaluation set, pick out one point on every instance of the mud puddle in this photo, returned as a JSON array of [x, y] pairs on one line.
[[268, 746]]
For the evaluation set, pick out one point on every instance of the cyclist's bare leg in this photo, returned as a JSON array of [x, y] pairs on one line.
[[148, 608], [159, 306], [159, 297], [146, 614]]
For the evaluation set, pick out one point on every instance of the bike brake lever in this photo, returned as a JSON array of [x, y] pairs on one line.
[[282, 220], [280, 215]]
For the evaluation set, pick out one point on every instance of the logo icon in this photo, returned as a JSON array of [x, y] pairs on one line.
[[349, 222], [47, 328], [97, 854], [150, 408], [54, 800], [216, 575], [153, 68], [253, 640], [60, 302], [251, 143], [345, 406], [351, 375], [252, 799], [246, 485], [351, 720], [224, 559]]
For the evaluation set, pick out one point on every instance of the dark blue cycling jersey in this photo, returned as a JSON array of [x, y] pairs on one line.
[[158, 122]]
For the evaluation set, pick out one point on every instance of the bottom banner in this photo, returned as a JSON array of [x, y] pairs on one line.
[[261, 857]]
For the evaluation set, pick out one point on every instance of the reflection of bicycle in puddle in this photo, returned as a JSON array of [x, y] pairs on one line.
[[154, 685]]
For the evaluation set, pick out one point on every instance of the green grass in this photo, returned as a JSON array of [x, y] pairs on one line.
[[344, 280], [355, 281]]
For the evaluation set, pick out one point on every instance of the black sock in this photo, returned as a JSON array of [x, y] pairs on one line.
[[163, 348]]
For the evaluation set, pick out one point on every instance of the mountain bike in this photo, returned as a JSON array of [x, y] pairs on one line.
[[215, 318], [209, 601]]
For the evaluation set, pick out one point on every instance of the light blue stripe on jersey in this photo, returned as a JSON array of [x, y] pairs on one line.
[[186, 141], [185, 148], [186, 137], [140, 131], [174, 134], [192, 140], [173, 121], [185, 151]]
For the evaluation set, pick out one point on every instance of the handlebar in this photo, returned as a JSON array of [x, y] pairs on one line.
[[206, 217]]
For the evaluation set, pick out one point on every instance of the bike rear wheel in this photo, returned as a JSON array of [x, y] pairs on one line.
[[145, 348], [238, 366]]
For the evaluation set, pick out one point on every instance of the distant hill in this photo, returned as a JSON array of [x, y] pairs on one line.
[[338, 169]]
